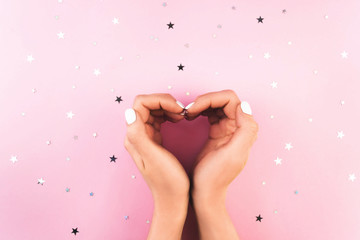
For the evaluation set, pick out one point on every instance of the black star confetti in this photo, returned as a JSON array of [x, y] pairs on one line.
[[180, 67], [75, 231], [258, 218], [170, 25], [260, 19], [118, 99], [113, 158]]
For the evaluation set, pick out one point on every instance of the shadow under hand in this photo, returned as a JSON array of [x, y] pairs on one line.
[[185, 140]]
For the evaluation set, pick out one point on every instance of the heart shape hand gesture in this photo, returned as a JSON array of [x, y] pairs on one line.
[[233, 131]]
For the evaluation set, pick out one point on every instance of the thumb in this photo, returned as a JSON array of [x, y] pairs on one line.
[[243, 112], [138, 140], [246, 128], [135, 125]]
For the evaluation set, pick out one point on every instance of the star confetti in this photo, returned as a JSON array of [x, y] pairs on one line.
[[75, 231], [170, 25], [30, 58], [97, 72], [340, 134], [267, 55], [181, 67], [41, 181], [60, 35], [13, 159], [344, 54], [258, 218], [118, 99], [352, 177], [115, 21], [260, 19], [274, 84], [288, 146], [278, 161], [113, 158], [70, 114]]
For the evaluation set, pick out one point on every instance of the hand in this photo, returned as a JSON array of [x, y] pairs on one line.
[[161, 170], [232, 133]]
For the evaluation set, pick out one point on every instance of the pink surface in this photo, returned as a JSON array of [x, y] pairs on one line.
[[311, 53]]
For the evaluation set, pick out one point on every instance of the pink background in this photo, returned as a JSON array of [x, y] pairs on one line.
[[313, 60]]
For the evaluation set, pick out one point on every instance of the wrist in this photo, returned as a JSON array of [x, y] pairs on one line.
[[201, 197], [212, 216], [174, 207], [168, 218]]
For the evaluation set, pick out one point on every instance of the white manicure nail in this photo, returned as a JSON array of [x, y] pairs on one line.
[[130, 115], [189, 106], [180, 104], [245, 107]]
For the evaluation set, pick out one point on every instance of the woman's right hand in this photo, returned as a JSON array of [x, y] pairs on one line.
[[231, 136]]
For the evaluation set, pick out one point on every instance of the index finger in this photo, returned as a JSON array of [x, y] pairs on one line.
[[158, 101], [226, 99]]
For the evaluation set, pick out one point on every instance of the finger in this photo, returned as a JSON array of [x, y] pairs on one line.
[[138, 141], [134, 154], [168, 116], [225, 99], [245, 134], [158, 101]]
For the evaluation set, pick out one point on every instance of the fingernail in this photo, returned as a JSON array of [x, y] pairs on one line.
[[245, 107], [180, 104], [189, 106], [130, 115], [183, 112]]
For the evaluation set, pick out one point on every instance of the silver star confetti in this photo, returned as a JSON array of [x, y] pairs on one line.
[[97, 72], [340, 134], [278, 161], [30, 58], [60, 35], [70, 114], [288, 146], [115, 21], [13, 159], [352, 177], [274, 84], [41, 181], [267, 55], [344, 54]]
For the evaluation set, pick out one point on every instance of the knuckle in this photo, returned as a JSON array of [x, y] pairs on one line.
[[251, 125], [127, 143], [131, 136], [231, 93], [138, 99], [168, 95]]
